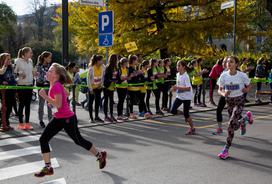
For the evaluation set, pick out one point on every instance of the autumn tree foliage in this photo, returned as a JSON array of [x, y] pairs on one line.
[[170, 27]]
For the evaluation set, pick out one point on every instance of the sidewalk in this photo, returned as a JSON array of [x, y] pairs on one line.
[[83, 115]]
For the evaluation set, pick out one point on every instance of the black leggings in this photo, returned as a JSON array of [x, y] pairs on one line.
[[220, 106], [198, 90], [142, 106], [108, 96], [165, 90], [132, 97], [25, 96], [186, 107], [70, 126], [97, 97], [212, 87], [122, 93], [10, 100], [157, 94]]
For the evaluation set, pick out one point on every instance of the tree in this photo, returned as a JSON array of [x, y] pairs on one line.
[[7, 22], [179, 27]]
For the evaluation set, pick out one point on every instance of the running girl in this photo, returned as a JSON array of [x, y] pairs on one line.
[[232, 85], [184, 91], [64, 118]]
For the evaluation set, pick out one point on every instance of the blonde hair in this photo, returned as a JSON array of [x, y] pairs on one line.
[[63, 76], [23, 51]]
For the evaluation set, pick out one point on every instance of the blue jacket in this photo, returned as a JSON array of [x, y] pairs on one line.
[[8, 76]]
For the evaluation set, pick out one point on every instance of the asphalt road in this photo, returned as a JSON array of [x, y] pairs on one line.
[[148, 152]]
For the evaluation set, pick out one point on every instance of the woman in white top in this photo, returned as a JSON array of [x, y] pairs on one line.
[[24, 71], [184, 91], [232, 85]]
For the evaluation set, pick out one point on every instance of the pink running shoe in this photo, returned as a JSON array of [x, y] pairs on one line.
[[224, 154], [250, 117]]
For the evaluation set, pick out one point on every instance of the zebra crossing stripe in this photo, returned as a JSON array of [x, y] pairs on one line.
[[58, 181], [23, 169], [20, 152], [19, 140]]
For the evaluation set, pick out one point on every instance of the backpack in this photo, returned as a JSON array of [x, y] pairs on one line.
[[260, 71]]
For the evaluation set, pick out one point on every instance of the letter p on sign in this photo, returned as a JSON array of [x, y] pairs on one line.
[[105, 22]]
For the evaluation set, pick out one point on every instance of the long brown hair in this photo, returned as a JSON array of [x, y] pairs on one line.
[[43, 55], [3, 58], [63, 76], [95, 59]]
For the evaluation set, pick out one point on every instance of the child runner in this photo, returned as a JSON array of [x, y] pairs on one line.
[[233, 84], [64, 118], [221, 104], [184, 91]]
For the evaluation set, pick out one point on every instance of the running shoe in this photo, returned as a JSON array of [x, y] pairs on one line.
[[113, 119], [249, 117], [218, 131], [42, 124], [132, 116], [102, 160], [190, 131], [28, 126], [98, 119], [243, 129], [141, 114], [119, 119], [108, 120], [21, 126], [45, 171], [224, 154]]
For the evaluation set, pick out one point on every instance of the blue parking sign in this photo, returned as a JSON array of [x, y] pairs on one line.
[[105, 40], [105, 22]]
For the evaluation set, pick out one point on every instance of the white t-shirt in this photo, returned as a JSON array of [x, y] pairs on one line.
[[233, 83], [184, 81], [26, 68]]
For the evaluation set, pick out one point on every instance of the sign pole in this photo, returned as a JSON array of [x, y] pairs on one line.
[[65, 40], [234, 27], [107, 48]]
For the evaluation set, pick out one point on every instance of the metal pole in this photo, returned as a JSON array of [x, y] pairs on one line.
[[65, 39], [107, 48], [234, 27]]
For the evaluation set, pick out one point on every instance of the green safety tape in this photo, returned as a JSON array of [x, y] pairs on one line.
[[253, 80]]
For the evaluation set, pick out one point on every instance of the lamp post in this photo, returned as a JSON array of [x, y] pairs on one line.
[[234, 27], [65, 39]]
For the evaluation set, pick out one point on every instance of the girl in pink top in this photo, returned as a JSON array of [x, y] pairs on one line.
[[216, 71], [64, 118]]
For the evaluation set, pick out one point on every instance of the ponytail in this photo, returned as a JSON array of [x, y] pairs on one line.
[[63, 75], [43, 55]]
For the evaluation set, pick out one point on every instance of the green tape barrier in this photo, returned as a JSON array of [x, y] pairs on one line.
[[253, 80]]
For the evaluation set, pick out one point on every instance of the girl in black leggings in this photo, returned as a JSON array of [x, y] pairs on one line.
[[64, 118], [122, 85]]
